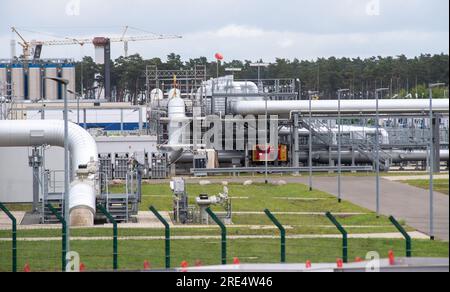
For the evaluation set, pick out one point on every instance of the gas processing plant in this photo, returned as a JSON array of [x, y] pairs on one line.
[[190, 124]]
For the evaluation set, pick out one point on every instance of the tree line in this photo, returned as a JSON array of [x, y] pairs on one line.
[[405, 77]]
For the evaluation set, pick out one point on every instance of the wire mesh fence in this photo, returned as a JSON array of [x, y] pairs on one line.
[[95, 255], [251, 238]]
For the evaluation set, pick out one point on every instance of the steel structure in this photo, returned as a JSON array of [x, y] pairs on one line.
[[315, 121]]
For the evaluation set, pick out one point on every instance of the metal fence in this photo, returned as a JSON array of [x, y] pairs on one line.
[[97, 255]]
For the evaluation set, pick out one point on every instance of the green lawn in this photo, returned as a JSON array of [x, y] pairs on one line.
[[439, 185], [257, 197], [97, 255]]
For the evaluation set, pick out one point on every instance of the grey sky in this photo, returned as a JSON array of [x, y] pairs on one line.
[[240, 29]]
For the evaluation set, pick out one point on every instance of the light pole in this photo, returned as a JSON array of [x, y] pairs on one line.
[[340, 91], [78, 103], [259, 65], [267, 145], [377, 147], [64, 83], [431, 159], [311, 93], [299, 88]]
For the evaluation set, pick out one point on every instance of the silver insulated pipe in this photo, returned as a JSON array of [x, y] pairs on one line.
[[285, 107], [83, 152]]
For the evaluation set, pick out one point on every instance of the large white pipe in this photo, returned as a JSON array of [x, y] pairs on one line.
[[396, 156], [84, 156], [227, 85], [331, 106], [354, 132], [177, 117]]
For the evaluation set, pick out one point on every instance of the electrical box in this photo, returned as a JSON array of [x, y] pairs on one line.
[[282, 153], [178, 186], [260, 154]]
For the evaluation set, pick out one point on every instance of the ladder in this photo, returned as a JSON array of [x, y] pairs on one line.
[[118, 206], [368, 150], [56, 200], [319, 130], [53, 194]]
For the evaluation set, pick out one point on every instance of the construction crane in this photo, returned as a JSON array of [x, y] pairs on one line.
[[101, 43], [30, 46], [26, 46], [123, 39]]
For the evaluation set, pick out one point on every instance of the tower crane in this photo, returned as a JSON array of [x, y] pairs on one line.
[[26, 46], [123, 39], [101, 43]]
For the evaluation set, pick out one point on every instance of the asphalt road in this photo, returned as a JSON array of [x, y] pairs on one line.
[[402, 201]]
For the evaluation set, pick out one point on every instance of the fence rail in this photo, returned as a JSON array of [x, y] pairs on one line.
[[344, 236], [224, 234], [282, 234], [167, 234], [63, 235], [115, 236]]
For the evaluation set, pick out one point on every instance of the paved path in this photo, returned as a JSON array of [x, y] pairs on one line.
[[402, 201], [415, 177]]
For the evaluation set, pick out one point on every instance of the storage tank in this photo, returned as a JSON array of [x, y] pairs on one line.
[[51, 87], [68, 72], [3, 79], [17, 80], [34, 82]]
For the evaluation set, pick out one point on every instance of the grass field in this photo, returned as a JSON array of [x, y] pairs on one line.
[[257, 197], [439, 185], [97, 254]]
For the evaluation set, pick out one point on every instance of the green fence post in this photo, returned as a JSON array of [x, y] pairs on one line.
[[14, 236], [344, 236], [167, 241], [115, 245], [405, 234], [282, 234], [64, 234], [224, 234]]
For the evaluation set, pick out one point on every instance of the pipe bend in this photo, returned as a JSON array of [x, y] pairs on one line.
[[83, 150], [28, 133], [82, 146]]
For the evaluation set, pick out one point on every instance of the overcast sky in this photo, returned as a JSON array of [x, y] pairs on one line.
[[240, 29]]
